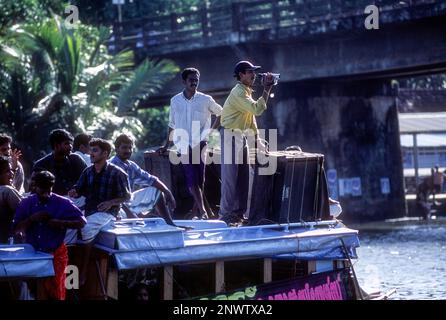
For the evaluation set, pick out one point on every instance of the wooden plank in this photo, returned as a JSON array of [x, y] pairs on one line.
[[168, 283], [112, 283], [267, 270], [311, 267], [41, 293], [219, 276]]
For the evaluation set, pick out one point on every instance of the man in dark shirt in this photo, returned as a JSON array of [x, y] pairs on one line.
[[105, 187], [64, 165], [9, 199], [42, 219]]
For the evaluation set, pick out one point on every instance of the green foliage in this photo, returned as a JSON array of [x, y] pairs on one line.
[[52, 77], [155, 122], [103, 11], [432, 82], [147, 79], [27, 11]]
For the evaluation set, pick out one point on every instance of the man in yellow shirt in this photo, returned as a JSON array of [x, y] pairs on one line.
[[238, 123]]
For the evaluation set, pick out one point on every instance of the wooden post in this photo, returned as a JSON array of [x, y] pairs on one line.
[[311, 267], [267, 270], [219, 276], [168, 283], [415, 159], [112, 283], [41, 293]]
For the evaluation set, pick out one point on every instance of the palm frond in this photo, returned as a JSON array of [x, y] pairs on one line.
[[104, 35], [146, 80]]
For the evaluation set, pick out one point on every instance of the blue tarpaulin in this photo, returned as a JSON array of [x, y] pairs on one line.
[[22, 261], [153, 243]]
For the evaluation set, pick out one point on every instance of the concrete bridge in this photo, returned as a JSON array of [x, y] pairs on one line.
[[335, 94]]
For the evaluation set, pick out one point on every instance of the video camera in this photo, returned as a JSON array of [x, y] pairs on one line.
[[276, 77]]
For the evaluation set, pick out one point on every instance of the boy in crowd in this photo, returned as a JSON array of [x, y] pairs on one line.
[[81, 147], [13, 156], [43, 219], [105, 187], [9, 199]]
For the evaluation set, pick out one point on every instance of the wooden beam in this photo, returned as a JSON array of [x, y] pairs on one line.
[[168, 283], [112, 283], [267, 270], [311, 267], [219, 276]]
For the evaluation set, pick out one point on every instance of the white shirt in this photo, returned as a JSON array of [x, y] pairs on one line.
[[85, 157], [191, 119]]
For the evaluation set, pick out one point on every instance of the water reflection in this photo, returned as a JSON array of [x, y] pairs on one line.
[[411, 259]]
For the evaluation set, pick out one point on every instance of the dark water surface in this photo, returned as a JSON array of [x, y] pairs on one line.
[[410, 258]]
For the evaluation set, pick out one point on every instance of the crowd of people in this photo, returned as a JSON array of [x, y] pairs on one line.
[[68, 201], [77, 189]]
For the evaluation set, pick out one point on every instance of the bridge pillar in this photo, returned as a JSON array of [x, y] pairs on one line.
[[355, 124]]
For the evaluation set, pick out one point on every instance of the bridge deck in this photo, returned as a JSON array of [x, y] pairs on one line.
[[254, 21]]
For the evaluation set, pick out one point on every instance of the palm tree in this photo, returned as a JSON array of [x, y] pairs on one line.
[[60, 77]]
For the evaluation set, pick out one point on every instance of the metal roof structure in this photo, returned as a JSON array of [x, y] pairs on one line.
[[434, 140], [423, 122]]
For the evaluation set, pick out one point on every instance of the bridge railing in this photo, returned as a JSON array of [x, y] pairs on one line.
[[223, 24]]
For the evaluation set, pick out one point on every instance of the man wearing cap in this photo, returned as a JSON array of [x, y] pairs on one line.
[[190, 114], [238, 121]]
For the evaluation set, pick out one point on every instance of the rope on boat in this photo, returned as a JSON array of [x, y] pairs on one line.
[[355, 279], [161, 263], [303, 189]]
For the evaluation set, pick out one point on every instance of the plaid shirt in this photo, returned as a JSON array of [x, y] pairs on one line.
[[112, 182], [137, 176]]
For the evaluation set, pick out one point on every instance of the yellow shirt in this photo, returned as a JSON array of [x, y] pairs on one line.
[[240, 109]]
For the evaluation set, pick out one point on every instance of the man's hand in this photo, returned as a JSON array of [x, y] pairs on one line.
[[73, 193], [261, 147], [162, 150], [106, 205], [40, 216], [20, 233], [170, 200], [15, 156], [268, 81]]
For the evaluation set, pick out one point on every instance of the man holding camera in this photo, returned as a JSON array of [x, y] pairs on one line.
[[238, 123]]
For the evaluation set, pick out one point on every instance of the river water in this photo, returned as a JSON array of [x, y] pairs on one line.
[[411, 259]]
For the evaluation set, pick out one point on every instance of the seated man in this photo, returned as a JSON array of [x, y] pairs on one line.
[[154, 195], [42, 219], [105, 188]]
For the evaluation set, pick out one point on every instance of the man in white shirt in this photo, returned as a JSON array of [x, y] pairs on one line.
[[81, 147], [189, 127]]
